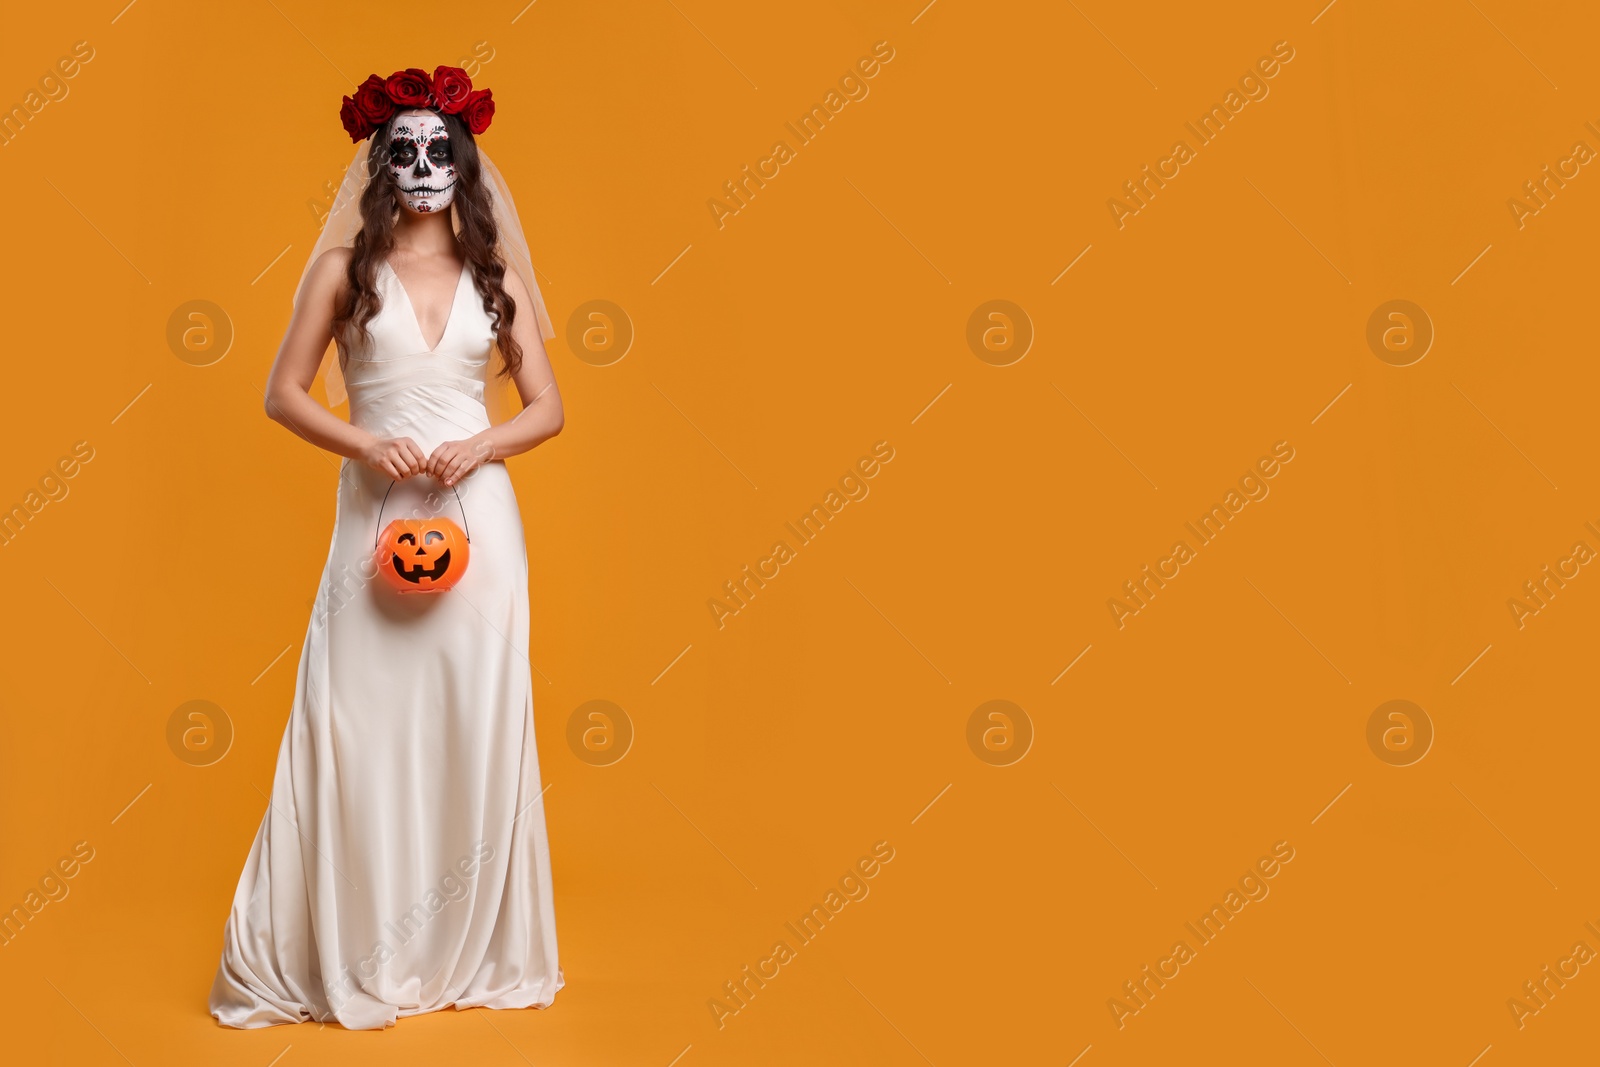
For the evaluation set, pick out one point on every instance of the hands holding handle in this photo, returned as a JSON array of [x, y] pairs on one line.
[[401, 457]]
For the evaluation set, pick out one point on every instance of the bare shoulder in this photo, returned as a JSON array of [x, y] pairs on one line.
[[515, 288], [326, 278]]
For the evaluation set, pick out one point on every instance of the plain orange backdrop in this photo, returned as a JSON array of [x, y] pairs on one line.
[[835, 710]]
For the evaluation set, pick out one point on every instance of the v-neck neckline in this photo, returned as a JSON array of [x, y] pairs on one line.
[[450, 316]]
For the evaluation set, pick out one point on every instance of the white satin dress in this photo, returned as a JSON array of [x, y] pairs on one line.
[[402, 865]]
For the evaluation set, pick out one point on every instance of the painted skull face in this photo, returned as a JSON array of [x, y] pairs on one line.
[[420, 161]]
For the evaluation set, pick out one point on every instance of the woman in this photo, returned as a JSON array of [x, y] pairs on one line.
[[402, 865]]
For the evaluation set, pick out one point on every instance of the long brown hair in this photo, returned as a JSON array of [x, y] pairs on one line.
[[478, 238]]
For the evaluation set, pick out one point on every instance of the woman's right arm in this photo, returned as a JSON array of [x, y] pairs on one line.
[[288, 399]]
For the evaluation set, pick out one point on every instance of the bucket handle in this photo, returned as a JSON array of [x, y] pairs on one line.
[[376, 534]]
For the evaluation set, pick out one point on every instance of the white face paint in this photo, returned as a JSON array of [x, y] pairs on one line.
[[420, 161]]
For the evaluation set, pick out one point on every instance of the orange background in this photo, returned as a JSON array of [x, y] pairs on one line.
[[827, 715]]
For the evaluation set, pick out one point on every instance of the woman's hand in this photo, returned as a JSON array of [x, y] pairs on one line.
[[454, 460], [398, 457]]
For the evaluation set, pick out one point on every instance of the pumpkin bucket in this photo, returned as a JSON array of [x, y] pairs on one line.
[[422, 555]]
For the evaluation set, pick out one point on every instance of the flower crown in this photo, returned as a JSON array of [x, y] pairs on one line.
[[449, 91]]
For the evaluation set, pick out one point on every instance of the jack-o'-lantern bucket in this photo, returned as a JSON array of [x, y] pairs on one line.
[[422, 555]]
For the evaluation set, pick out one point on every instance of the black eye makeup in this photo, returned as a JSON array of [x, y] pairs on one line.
[[439, 151], [402, 152]]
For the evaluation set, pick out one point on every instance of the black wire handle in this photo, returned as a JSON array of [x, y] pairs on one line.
[[379, 531]]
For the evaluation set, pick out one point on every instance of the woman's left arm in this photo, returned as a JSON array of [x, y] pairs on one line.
[[540, 419]]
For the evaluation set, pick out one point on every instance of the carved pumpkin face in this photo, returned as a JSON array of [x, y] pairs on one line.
[[422, 555]]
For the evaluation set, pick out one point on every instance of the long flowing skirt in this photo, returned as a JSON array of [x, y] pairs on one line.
[[402, 864]]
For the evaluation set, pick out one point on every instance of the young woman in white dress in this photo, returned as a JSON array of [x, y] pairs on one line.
[[402, 864]]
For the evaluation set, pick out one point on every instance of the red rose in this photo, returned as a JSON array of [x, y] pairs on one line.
[[451, 87], [410, 88], [354, 124], [372, 100], [478, 110]]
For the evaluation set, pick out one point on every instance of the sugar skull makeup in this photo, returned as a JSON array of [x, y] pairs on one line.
[[420, 161]]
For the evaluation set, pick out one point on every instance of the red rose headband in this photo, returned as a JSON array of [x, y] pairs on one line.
[[449, 91]]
